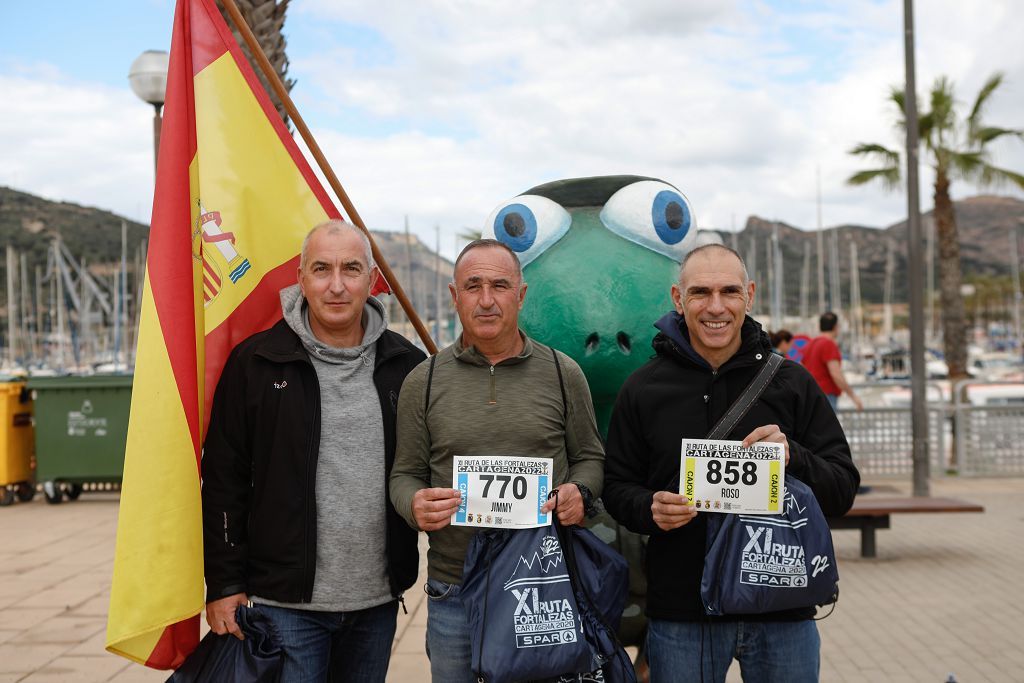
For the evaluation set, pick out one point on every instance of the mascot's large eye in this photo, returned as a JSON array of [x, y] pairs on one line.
[[528, 224], [653, 214]]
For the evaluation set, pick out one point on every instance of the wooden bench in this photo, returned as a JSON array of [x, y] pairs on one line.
[[870, 512]]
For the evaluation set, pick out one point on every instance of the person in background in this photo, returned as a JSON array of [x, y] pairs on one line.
[[781, 340], [824, 361]]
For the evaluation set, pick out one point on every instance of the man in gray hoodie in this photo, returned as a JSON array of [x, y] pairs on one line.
[[296, 514]]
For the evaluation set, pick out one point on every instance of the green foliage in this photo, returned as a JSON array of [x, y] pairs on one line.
[[958, 148]]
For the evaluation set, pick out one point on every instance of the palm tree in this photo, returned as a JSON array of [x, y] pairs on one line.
[[470, 235], [266, 19], [956, 149]]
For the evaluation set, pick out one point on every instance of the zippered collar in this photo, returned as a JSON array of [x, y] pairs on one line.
[[469, 354], [673, 341]]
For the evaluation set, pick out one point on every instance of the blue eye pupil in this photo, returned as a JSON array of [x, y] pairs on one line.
[[516, 226], [670, 216]]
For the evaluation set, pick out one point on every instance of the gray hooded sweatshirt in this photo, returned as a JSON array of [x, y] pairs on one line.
[[351, 561]]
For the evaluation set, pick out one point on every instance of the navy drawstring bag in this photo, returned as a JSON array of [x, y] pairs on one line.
[[544, 604], [766, 563], [226, 659]]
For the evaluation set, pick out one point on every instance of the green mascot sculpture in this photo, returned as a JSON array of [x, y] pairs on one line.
[[599, 255]]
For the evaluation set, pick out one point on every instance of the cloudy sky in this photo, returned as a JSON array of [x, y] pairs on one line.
[[441, 109]]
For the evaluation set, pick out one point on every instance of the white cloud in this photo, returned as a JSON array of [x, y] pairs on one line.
[[74, 141], [716, 98], [465, 104]]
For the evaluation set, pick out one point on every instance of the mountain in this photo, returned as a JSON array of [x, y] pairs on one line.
[[984, 224], [28, 222]]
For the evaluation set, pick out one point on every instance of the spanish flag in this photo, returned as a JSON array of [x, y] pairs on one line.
[[234, 198]]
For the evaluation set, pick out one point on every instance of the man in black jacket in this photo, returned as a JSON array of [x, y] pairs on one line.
[[707, 352], [296, 516]]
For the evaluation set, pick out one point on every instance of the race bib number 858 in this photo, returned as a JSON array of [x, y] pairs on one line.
[[501, 492], [722, 476]]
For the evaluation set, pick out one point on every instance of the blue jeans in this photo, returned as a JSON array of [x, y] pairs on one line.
[[448, 634], [352, 646], [768, 652]]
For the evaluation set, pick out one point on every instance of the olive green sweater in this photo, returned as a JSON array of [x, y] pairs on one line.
[[513, 408]]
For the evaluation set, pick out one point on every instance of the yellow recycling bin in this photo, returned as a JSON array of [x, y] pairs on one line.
[[17, 444]]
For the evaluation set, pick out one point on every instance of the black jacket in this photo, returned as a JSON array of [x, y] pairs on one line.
[[259, 468], [676, 395]]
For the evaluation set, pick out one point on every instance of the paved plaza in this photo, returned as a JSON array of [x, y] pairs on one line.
[[944, 596]]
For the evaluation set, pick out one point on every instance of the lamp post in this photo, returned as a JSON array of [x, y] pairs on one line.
[[148, 78], [918, 397]]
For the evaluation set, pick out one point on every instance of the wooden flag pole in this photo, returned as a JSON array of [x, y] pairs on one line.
[[321, 160]]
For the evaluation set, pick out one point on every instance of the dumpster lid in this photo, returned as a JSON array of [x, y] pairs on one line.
[[82, 382]]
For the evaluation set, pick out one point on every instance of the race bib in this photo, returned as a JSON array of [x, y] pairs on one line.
[[722, 476], [501, 492]]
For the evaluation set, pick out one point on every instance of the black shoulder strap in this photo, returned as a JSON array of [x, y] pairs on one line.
[[742, 404], [430, 379], [561, 385]]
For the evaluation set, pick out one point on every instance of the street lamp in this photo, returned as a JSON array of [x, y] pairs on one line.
[[148, 78]]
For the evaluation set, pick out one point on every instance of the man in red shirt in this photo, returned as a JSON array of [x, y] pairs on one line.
[[823, 360]]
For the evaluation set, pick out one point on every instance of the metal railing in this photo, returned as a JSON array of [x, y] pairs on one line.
[[881, 440], [989, 429], [967, 436]]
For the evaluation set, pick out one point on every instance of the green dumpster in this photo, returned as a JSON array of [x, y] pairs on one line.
[[16, 476], [81, 430]]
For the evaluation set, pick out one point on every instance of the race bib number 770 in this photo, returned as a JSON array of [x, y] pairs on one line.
[[722, 476], [501, 492]]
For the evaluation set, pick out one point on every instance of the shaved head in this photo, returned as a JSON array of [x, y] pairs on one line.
[[704, 250]]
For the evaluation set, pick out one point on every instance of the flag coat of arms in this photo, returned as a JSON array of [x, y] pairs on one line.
[[234, 198]]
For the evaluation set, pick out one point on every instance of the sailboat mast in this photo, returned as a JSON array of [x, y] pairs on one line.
[[821, 253], [1015, 263], [27, 338], [834, 285], [890, 270], [856, 313], [805, 282], [39, 316], [775, 263], [59, 302], [12, 310]]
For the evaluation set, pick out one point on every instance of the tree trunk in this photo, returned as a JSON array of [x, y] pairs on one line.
[[954, 337]]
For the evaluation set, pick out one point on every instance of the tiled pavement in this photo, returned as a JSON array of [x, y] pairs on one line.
[[945, 595]]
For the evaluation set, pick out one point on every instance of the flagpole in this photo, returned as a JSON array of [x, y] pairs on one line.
[[321, 160]]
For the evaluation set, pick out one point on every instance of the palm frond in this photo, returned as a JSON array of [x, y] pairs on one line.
[[926, 126], [266, 19], [943, 106], [470, 235], [994, 176], [966, 164], [983, 136], [887, 156], [889, 177], [898, 96], [974, 118]]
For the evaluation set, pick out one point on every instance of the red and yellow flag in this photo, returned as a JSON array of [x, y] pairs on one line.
[[234, 198]]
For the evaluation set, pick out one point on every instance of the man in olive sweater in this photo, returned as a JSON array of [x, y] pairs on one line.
[[493, 392]]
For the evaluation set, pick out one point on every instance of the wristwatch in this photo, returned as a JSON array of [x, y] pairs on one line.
[[589, 509]]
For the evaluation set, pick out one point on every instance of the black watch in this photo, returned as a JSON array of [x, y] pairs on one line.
[[588, 499]]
